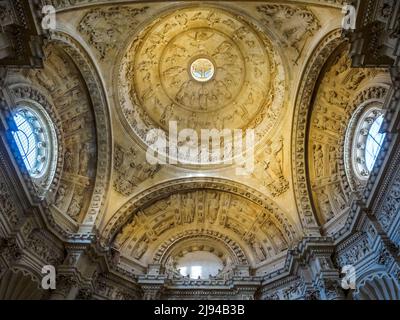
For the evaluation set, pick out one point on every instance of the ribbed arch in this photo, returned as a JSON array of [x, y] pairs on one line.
[[380, 287]]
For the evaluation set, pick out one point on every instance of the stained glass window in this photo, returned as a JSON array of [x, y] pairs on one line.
[[31, 141], [373, 143]]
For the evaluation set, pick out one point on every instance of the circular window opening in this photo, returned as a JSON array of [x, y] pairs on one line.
[[199, 265], [202, 69], [34, 141]]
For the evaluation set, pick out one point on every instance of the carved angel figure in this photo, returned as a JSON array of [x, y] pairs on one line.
[[318, 160], [74, 208], [60, 196], [272, 173]]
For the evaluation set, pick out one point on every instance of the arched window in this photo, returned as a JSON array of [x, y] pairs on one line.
[[36, 141], [199, 264], [31, 141]]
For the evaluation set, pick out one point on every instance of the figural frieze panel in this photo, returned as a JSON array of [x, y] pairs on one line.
[[295, 24], [105, 28], [130, 169], [61, 80], [333, 109], [211, 210]]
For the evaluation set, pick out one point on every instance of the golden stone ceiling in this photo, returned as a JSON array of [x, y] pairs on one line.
[[247, 223], [157, 85], [217, 66]]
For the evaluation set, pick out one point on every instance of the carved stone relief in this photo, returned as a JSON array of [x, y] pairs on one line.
[[61, 80], [269, 168], [294, 23], [105, 28], [390, 207], [330, 116], [203, 207], [44, 248], [299, 143], [153, 225], [156, 86], [102, 159], [351, 254], [7, 206], [131, 168], [211, 210]]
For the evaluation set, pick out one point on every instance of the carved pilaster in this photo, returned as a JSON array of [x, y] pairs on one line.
[[84, 294], [332, 289], [21, 37], [9, 250], [152, 292], [375, 40], [66, 288]]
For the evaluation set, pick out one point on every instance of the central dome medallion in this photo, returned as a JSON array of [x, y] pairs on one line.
[[203, 68]]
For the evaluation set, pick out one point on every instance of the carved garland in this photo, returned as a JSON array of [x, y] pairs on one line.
[[122, 216], [299, 135]]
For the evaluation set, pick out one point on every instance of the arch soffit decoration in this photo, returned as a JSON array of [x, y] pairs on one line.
[[236, 251], [103, 127], [331, 124], [304, 97], [123, 215]]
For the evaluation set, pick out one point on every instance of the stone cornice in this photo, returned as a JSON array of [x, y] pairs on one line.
[[66, 5]]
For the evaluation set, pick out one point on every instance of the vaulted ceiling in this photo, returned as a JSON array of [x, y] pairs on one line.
[[116, 71]]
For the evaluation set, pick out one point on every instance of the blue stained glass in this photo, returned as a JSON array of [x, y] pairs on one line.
[[27, 140], [374, 143]]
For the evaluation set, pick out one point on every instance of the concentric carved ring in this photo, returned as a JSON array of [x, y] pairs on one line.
[[205, 68]]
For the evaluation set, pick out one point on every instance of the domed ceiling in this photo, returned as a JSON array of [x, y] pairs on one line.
[[222, 65], [205, 68], [118, 75]]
